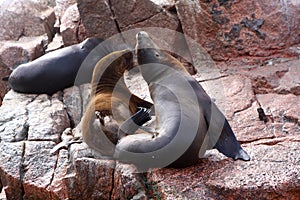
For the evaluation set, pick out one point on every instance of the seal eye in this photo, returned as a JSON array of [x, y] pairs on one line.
[[157, 55]]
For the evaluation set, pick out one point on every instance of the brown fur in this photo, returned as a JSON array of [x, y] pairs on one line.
[[108, 92]]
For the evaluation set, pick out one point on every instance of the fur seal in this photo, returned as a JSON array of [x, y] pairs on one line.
[[111, 98], [187, 120], [55, 70]]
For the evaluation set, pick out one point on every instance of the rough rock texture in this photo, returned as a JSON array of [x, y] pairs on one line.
[[60, 7], [118, 16], [4, 72], [25, 18], [14, 53], [102, 26], [257, 30], [71, 28], [26, 27], [33, 124]]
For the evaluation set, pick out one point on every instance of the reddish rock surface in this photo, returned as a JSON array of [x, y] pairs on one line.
[[25, 18], [71, 28], [14, 53], [230, 29], [75, 171], [97, 18]]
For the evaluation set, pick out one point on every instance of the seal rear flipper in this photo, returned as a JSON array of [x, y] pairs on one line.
[[133, 122], [221, 135], [229, 146]]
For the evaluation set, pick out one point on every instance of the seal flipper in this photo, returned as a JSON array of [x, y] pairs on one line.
[[221, 135], [133, 122], [229, 146]]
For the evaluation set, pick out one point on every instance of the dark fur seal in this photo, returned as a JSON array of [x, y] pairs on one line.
[[111, 98], [187, 121], [56, 70]]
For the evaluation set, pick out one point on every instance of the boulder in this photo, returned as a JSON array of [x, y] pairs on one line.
[[104, 19], [60, 7], [14, 53], [71, 29], [97, 18], [25, 18], [252, 30]]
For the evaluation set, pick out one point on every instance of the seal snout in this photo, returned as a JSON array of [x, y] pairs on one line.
[[141, 34]]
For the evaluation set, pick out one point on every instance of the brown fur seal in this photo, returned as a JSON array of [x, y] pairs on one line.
[[55, 70], [187, 121], [110, 97]]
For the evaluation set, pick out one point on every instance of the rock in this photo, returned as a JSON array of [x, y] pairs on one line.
[[4, 72], [14, 126], [37, 170], [227, 29], [119, 16], [14, 53], [25, 18], [50, 3], [31, 126], [97, 18], [85, 94], [71, 28], [127, 183], [72, 100], [264, 175], [97, 174], [55, 44], [228, 92], [218, 178], [162, 19], [290, 81], [76, 99], [47, 118], [131, 12], [247, 126], [10, 169], [60, 7], [281, 108]]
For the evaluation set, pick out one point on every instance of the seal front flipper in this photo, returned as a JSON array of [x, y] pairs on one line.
[[134, 122]]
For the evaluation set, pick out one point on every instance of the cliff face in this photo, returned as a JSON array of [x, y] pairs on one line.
[[234, 33]]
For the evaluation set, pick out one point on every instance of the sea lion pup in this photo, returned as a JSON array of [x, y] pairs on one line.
[[185, 116], [55, 70], [111, 98]]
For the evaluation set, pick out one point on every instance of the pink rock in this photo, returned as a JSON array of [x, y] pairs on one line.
[[70, 26], [25, 18], [97, 18], [229, 29]]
